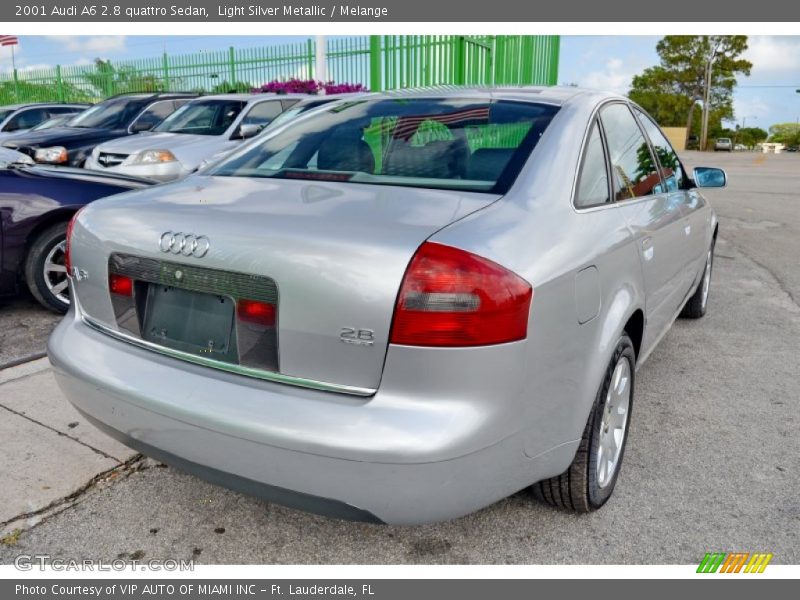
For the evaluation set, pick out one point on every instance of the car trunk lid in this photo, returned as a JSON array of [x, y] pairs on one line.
[[331, 255]]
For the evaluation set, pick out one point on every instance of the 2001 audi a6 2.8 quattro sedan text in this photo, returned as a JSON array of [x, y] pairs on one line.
[[398, 308]]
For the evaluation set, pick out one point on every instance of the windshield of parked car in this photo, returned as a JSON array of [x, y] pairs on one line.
[[111, 114], [5, 113], [203, 117], [54, 122], [449, 143], [295, 111]]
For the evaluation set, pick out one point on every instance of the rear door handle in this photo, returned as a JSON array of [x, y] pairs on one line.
[[687, 229], [647, 248]]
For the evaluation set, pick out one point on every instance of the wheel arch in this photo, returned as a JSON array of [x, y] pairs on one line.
[[54, 217], [624, 315], [634, 327]]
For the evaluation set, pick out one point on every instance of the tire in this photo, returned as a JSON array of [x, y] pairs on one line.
[[584, 487], [697, 305], [44, 271]]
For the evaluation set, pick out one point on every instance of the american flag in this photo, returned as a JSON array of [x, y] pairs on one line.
[[406, 126], [8, 40]]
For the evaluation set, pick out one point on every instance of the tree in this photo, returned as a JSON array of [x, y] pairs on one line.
[[109, 80], [750, 136], [13, 92], [239, 87], [670, 90], [785, 133]]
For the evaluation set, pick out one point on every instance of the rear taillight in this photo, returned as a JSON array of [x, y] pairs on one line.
[[257, 334], [450, 297], [68, 244], [120, 285], [255, 312]]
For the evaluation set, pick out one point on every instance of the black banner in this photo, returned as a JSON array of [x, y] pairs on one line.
[[463, 11], [390, 589]]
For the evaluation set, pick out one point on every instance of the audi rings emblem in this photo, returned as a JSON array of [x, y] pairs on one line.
[[187, 244]]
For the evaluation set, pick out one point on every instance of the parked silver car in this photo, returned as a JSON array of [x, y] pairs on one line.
[[19, 118], [198, 130], [302, 107], [401, 309]]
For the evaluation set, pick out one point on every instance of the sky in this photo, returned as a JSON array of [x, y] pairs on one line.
[[768, 96]]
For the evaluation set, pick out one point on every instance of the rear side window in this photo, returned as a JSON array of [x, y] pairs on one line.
[[448, 143], [203, 117], [593, 178], [633, 169], [55, 111], [26, 119], [671, 169], [157, 112], [263, 113]]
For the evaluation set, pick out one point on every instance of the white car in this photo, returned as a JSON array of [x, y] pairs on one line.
[[200, 129]]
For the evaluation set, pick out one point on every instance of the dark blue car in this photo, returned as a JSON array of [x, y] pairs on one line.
[[36, 204]]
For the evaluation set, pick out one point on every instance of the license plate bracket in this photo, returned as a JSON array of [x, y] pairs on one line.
[[202, 324]]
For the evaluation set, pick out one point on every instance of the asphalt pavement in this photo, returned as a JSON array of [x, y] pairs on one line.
[[711, 463], [24, 328]]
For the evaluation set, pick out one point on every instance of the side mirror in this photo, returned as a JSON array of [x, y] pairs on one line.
[[710, 177], [248, 130]]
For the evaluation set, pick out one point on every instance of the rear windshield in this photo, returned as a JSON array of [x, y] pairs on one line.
[[203, 117], [459, 144]]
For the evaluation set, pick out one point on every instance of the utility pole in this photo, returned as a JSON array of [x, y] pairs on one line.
[[707, 95]]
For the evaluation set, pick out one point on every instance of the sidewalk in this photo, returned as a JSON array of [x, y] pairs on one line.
[[49, 452]]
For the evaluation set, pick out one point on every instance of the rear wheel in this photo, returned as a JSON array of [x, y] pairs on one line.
[[589, 481], [45, 272], [696, 305]]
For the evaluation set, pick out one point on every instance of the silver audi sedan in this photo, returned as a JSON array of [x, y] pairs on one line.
[[398, 309]]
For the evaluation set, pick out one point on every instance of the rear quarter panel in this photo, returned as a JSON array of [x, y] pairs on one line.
[[536, 232]]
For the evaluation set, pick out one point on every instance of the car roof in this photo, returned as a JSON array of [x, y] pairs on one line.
[[248, 97], [35, 104], [557, 95], [154, 95], [310, 98]]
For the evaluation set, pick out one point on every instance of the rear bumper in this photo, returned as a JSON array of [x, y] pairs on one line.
[[396, 460]]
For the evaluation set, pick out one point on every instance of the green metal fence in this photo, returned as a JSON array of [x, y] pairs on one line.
[[378, 62]]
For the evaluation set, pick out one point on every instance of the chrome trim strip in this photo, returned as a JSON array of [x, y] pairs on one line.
[[231, 368]]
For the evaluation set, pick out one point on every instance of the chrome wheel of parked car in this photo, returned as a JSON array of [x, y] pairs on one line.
[[706, 280], [589, 481], [614, 423], [697, 305], [45, 272], [55, 273]]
